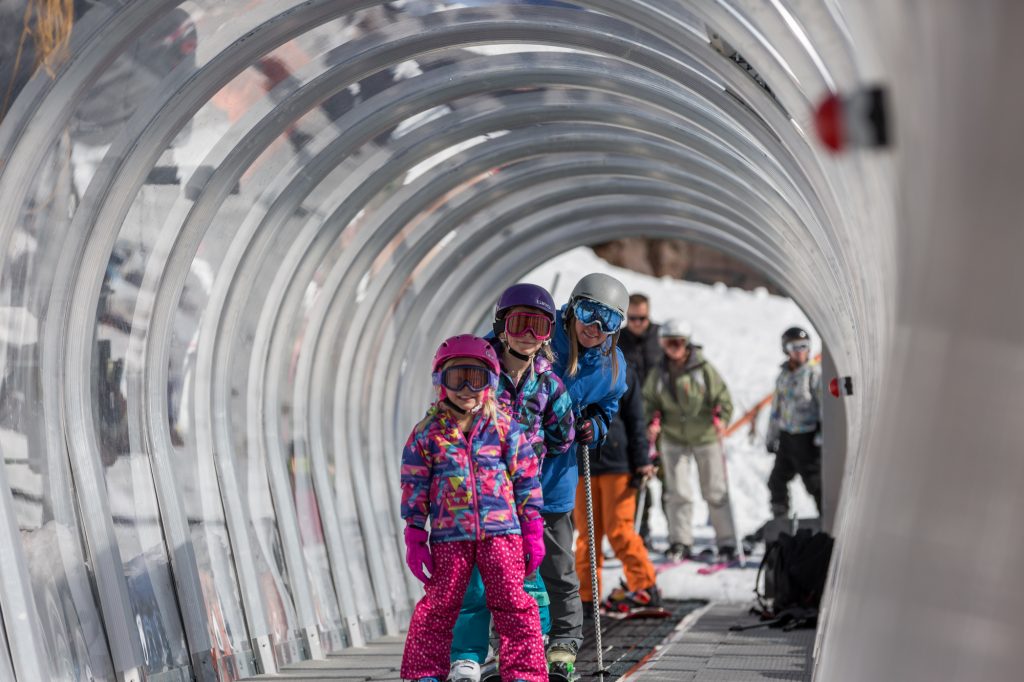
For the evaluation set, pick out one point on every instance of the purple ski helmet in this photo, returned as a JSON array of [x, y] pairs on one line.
[[522, 294]]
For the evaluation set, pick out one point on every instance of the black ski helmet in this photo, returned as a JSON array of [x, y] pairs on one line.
[[794, 334]]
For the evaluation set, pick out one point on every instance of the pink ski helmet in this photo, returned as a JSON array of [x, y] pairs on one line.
[[467, 346]]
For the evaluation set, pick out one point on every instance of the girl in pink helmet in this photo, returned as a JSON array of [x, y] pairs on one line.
[[469, 468]]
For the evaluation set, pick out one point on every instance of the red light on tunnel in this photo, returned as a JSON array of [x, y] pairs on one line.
[[828, 119], [840, 386]]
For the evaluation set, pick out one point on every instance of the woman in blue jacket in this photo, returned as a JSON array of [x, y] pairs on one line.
[[593, 369]]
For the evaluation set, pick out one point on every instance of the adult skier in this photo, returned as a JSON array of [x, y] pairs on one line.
[[794, 429], [619, 466], [694, 404], [591, 365]]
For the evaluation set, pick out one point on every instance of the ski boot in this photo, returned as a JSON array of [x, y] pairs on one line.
[[489, 672], [677, 551], [562, 662], [622, 600], [464, 670]]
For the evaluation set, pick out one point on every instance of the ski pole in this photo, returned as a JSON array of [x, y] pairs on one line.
[[594, 596], [728, 492], [652, 454], [641, 500]]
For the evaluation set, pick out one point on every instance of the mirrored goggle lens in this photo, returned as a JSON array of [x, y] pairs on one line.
[[591, 312], [454, 378], [797, 346], [517, 324]]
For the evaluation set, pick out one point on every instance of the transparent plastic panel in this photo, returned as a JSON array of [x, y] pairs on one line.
[[6, 669], [37, 468], [163, 282]]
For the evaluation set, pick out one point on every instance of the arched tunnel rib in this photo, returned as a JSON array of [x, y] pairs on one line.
[[208, 381]]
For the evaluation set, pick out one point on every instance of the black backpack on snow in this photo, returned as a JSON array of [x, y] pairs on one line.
[[794, 568]]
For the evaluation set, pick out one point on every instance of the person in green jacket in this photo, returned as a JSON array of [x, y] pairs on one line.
[[695, 406]]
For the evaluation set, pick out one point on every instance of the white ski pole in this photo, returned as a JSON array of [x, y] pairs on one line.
[[595, 596], [641, 500], [652, 454], [728, 491]]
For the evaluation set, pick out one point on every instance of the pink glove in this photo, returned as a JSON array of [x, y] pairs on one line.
[[533, 544], [417, 553]]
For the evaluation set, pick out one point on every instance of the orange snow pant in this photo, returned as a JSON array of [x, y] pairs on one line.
[[614, 511]]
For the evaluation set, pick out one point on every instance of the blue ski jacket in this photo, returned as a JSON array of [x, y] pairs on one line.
[[595, 392]]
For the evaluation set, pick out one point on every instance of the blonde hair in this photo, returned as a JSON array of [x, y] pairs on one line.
[[51, 33], [573, 366], [546, 351]]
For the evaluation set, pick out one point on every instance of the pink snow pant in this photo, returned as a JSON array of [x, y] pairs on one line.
[[502, 567]]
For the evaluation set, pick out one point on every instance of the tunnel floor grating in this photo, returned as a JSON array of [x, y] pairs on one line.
[[708, 651], [628, 642]]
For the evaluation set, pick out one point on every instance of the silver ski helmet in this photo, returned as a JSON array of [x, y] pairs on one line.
[[676, 329], [603, 289]]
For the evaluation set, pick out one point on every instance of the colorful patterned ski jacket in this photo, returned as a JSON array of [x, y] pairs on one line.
[[471, 488], [541, 405], [594, 390], [796, 405]]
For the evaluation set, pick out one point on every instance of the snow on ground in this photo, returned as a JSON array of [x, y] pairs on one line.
[[740, 332]]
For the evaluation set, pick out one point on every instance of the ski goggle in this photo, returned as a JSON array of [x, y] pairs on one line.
[[517, 324], [797, 346], [591, 312], [456, 377]]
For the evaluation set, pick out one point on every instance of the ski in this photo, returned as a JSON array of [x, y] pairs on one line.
[[711, 569], [668, 564], [661, 566], [639, 612]]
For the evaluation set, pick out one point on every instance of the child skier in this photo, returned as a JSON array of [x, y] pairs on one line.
[[594, 371], [469, 467], [535, 397]]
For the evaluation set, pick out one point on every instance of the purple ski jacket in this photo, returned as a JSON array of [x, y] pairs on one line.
[[471, 488]]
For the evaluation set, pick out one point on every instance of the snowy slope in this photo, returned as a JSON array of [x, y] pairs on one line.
[[739, 331]]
